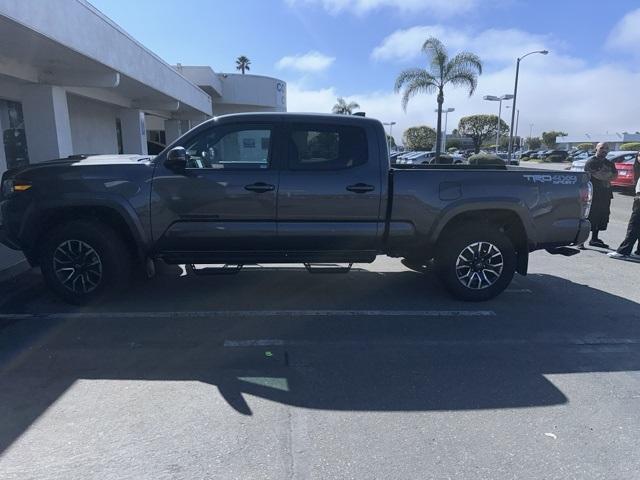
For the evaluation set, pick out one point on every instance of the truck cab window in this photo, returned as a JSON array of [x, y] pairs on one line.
[[327, 148], [236, 149]]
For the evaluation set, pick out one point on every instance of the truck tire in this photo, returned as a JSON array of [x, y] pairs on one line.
[[83, 260], [476, 264]]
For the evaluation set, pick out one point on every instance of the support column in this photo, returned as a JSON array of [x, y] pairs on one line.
[[4, 124], [134, 132], [46, 120], [172, 130], [186, 125]]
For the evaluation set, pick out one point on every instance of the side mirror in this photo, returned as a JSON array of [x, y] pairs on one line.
[[176, 159]]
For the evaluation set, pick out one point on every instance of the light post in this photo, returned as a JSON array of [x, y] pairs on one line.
[[515, 94], [390, 124], [493, 98], [443, 143], [517, 122], [530, 133]]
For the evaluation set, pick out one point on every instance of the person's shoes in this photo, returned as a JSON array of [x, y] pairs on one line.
[[598, 243], [617, 255]]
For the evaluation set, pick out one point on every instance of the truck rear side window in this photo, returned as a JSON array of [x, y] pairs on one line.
[[322, 147]]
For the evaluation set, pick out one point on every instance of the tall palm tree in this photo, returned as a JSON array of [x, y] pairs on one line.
[[343, 108], [243, 63], [459, 71]]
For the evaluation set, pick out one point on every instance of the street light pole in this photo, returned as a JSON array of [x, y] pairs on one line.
[[493, 98], [390, 124], [443, 142], [515, 135], [515, 94]]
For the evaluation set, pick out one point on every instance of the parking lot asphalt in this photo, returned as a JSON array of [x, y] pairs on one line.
[[275, 373]]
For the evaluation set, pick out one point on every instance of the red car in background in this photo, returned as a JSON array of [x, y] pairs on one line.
[[628, 170]]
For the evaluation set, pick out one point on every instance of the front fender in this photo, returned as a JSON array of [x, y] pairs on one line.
[[43, 207]]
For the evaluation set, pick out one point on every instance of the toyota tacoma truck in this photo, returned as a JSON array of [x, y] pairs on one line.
[[285, 188]]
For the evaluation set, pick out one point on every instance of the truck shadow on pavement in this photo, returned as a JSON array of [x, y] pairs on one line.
[[341, 363]]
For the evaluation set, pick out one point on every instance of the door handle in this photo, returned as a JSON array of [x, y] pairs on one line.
[[361, 188], [259, 187]]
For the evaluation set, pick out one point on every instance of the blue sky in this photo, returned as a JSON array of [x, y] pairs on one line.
[[355, 48]]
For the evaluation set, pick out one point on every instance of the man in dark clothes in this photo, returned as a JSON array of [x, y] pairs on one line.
[[633, 230], [602, 171]]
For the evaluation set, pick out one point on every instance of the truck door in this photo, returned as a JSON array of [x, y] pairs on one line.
[[329, 197], [225, 200]]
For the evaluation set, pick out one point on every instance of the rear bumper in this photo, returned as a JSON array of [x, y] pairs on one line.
[[623, 182]]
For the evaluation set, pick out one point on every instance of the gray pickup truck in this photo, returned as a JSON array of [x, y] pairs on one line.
[[285, 188]]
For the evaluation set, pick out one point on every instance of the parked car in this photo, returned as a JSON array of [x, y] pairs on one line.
[[628, 171], [617, 157], [284, 188], [562, 154], [505, 157]]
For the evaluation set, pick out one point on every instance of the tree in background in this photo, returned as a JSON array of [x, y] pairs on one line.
[[460, 71], [549, 138], [630, 146], [481, 128], [534, 143], [453, 143], [343, 108], [419, 138], [391, 141], [243, 63]]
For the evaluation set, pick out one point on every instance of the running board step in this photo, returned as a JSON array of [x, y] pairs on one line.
[[327, 268], [227, 269]]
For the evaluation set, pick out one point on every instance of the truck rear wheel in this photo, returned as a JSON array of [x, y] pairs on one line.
[[477, 265], [83, 260]]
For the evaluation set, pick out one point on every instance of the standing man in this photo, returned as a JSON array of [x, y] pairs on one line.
[[633, 230], [602, 171]]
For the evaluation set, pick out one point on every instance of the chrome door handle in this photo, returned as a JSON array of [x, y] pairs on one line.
[[260, 187], [361, 188]]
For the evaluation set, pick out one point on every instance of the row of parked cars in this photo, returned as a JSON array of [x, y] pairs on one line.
[[626, 164]]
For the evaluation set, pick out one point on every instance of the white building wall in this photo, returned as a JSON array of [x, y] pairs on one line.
[[93, 126]]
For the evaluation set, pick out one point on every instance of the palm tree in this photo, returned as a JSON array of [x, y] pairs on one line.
[[343, 108], [243, 63], [460, 71]]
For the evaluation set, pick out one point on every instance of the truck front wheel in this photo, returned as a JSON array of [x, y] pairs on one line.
[[476, 265], [83, 260]]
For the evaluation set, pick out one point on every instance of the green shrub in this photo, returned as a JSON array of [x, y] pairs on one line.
[[485, 159], [524, 159], [554, 159], [630, 146], [585, 146]]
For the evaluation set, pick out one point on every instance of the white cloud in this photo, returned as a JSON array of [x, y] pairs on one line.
[[582, 100], [493, 45], [626, 34], [308, 62], [440, 8]]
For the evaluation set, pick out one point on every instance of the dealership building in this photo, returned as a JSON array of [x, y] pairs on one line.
[[72, 81]]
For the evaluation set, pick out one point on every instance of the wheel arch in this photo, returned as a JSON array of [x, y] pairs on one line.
[[504, 219], [121, 219]]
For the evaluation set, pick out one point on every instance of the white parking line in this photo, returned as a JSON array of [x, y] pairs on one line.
[[252, 313]]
